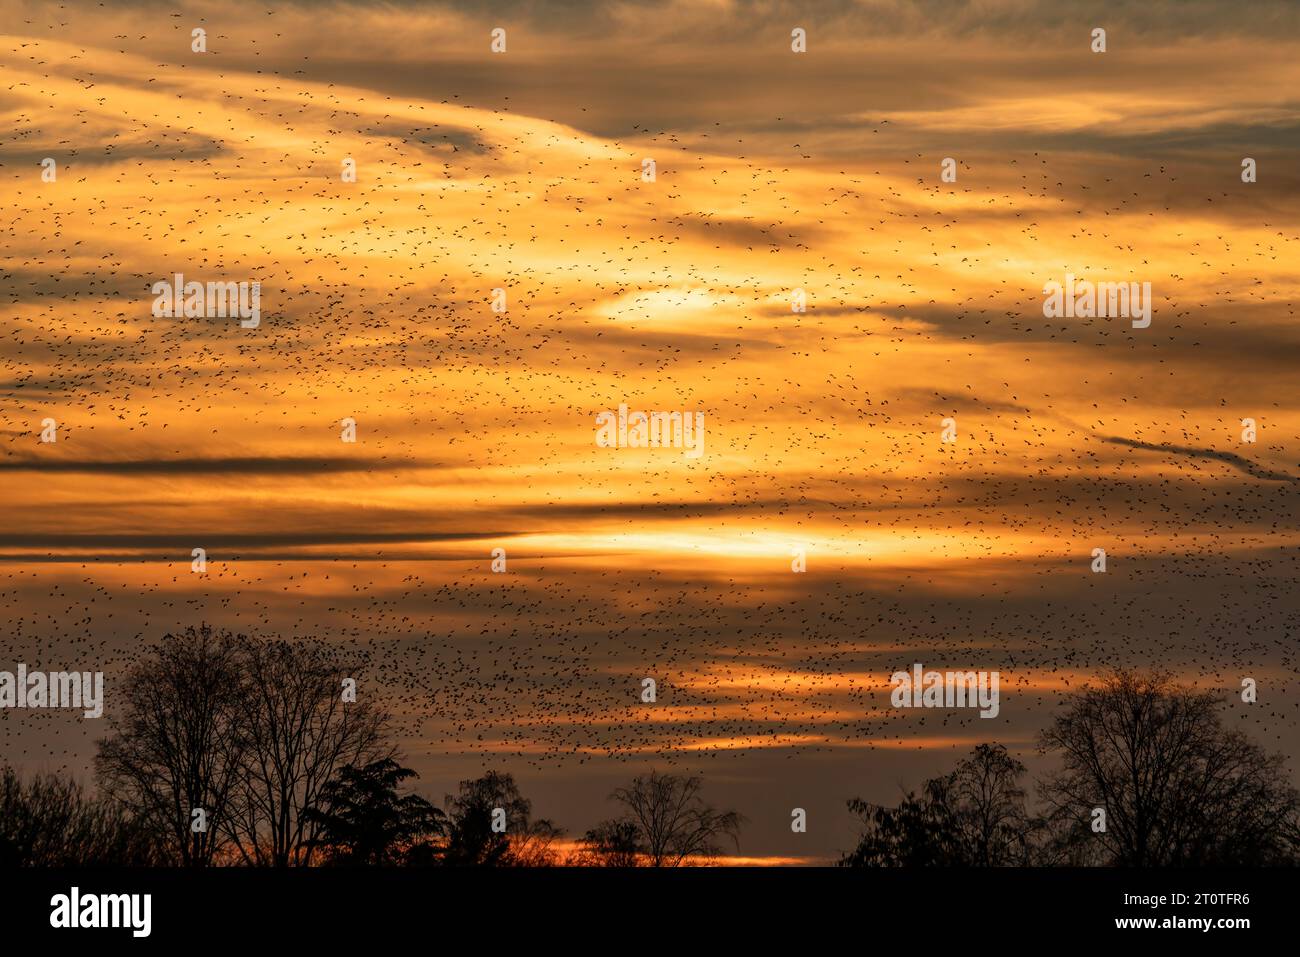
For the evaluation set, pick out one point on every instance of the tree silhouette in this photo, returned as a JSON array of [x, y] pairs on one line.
[[674, 825], [472, 839], [972, 817], [988, 807], [50, 822], [615, 843], [1177, 788], [176, 744], [247, 730], [365, 820], [296, 733]]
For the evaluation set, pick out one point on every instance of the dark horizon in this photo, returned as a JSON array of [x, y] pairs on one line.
[[905, 457]]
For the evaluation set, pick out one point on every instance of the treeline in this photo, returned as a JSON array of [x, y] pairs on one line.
[[1147, 776], [366, 819], [229, 750]]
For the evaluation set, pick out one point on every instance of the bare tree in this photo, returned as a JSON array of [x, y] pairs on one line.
[[1176, 787], [676, 824], [974, 816], [175, 749], [988, 807], [615, 843], [296, 732], [474, 841], [246, 730]]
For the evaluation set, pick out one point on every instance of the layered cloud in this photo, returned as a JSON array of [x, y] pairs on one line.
[[775, 173]]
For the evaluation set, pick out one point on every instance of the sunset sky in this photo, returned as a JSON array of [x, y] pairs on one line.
[[775, 171]]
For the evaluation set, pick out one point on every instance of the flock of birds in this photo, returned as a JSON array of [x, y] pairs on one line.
[[381, 290]]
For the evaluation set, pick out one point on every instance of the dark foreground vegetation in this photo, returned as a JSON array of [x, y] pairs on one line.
[[1148, 777], [229, 750]]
